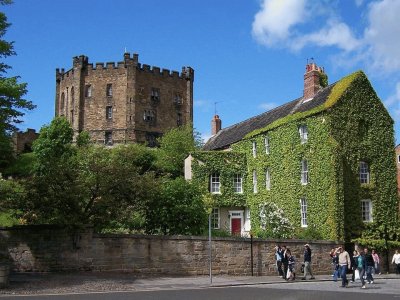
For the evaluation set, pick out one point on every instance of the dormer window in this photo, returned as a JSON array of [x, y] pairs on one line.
[[303, 131]]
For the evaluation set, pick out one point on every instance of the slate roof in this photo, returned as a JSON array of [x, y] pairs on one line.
[[232, 134]]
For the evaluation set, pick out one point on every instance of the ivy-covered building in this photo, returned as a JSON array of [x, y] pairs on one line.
[[321, 165]]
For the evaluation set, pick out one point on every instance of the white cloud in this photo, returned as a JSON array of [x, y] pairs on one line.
[[394, 99], [382, 36], [333, 34], [359, 2], [272, 23], [267, 106]]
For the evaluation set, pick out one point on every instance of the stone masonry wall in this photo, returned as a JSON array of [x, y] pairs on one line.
[[46, 248]]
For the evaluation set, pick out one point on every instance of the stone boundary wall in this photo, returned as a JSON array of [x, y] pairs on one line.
[[55, 249]]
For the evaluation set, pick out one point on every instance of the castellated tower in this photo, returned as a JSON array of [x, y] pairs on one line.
[[124, 102]]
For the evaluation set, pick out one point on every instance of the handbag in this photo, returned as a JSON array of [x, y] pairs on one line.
[[356, 274], [302, 268]]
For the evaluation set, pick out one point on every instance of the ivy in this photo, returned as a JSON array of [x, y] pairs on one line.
[[351, 126]]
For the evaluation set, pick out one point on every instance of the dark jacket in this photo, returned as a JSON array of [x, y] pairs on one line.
[[369, 260], [307, 254]]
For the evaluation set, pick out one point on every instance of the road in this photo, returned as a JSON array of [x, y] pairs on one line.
[[385, 290]]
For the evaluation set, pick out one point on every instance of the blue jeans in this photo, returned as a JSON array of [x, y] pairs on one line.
[[369, 273], [337, 272], [343, 275]]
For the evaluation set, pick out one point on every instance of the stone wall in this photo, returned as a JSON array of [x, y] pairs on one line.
[[47, 248]]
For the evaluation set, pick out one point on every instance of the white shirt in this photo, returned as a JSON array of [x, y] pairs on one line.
[[396, 258]]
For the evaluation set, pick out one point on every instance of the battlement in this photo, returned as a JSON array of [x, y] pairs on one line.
[[82, 62]]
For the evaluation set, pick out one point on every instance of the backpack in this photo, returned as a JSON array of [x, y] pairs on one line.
[[360, 262]]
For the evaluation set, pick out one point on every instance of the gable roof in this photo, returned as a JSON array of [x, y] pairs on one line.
[[232, 134]]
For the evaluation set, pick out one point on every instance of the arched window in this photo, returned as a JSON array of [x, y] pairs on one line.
[[62, 101]]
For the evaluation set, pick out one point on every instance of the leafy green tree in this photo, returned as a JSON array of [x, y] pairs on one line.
[[175, 146], [12, 103], [179, 209]]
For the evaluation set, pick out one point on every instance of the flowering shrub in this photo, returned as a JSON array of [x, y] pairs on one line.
[[273, 222]]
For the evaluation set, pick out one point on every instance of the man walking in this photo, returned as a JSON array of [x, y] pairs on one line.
[[369, 265], [307, 262], [345, 263]]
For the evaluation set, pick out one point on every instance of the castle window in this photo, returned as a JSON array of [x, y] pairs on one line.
[[364, 172], [398, 159], [366, 210], [215, 220], [151, 139], [179, 119], [303, 131], [266, 142], [109, 91], [267, 179], [72, 97], [215, 184], [237, 183], [178, 99], [303, 210], [155, 94], [148, 116], [88, 90], [72, 117], [108, 138], [109, 112], [304, 172], [62, 101]]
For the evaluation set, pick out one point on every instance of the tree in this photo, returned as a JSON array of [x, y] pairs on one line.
[[175, 146], [12, 104], [179, 209]]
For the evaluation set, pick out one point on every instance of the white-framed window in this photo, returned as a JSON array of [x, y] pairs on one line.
[[237, 183], [109, 90], [364, 172], [303, 208], [254, 143], [108, 138], [108, 112], [215, 218], [255, 189], [88, 90], [366, 210], [215, 184], [303, 131], [266, 143], [304, 172], [267, 179]]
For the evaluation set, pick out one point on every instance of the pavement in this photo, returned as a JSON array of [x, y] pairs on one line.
[[88, 282]]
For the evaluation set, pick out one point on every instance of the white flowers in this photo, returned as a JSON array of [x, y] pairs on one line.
[[272, 220]]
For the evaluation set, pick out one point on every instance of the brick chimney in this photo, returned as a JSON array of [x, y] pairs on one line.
[[312, 80], [216, 124]]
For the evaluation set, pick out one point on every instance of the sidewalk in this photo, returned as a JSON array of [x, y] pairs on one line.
[[89, 282]]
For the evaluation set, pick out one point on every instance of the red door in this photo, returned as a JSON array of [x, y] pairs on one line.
[[236, 225]]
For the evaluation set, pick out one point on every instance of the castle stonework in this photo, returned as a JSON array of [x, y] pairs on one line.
[[125, 102]]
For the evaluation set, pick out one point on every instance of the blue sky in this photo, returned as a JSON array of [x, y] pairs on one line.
[[249, 56]]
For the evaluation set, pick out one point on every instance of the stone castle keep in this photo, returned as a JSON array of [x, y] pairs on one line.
[[124, 102]]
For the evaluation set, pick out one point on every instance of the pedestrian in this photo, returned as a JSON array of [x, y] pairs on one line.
[[335, 263], [354, 266], [361, 267], [375, 256], [307, 262], [369, 265], [291, 266], [345, 263], [396, 260], [284, 261], [278, 256]]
